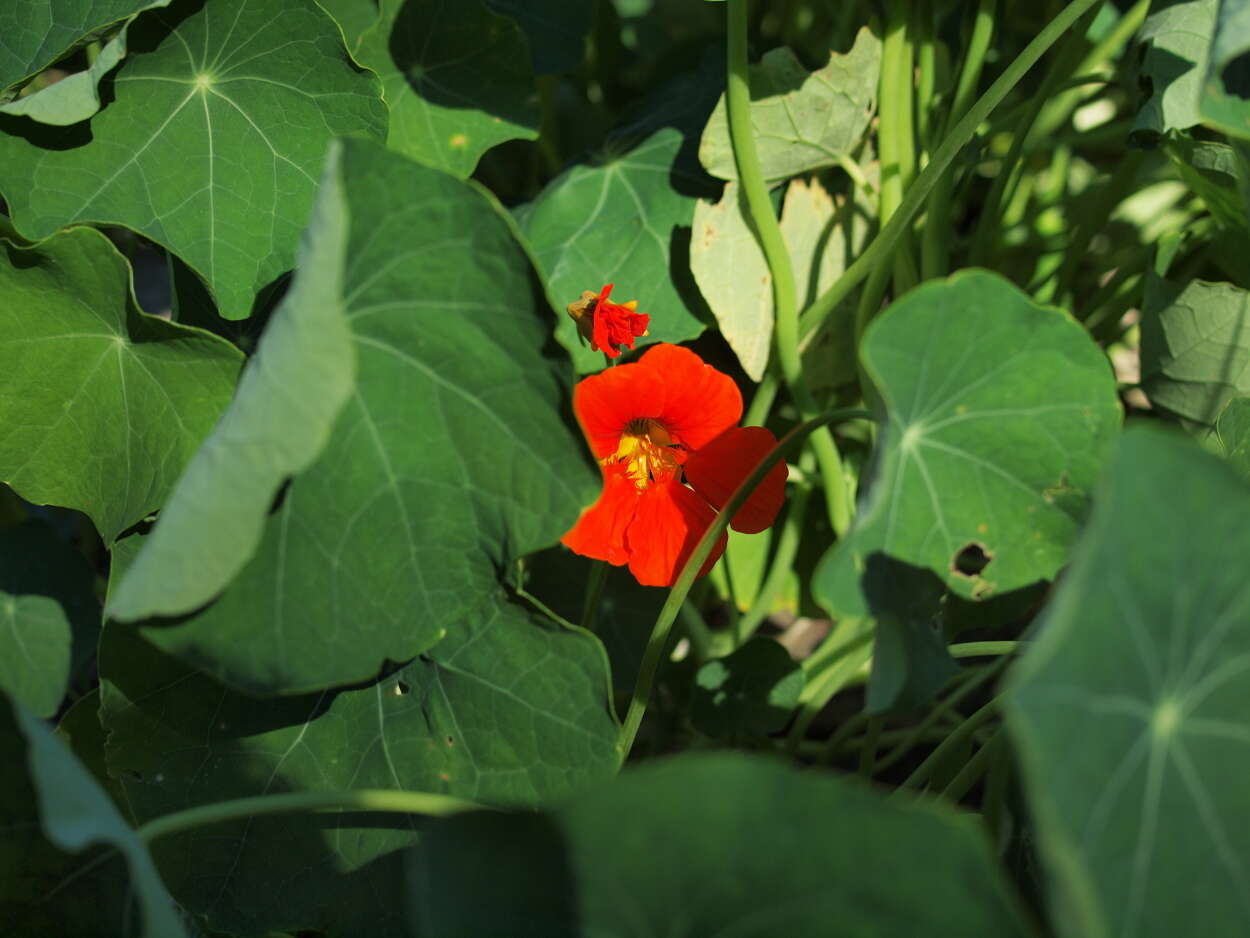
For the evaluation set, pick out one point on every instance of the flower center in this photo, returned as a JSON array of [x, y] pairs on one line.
[[648, 452]]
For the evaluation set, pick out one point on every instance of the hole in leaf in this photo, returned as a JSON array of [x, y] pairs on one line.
[[402, 688], [971, 560], [450, 741]]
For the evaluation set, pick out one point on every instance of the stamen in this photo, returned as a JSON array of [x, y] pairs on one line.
[[648, 452]]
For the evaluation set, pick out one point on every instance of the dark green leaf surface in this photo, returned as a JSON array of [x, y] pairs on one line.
[[1130, 712], [456, 79], [556, 30], [802, 120], [669, 849], [103, 405], [998, 413], [508, 710], [1195, 346], [625, 220], [353, 17], [46, 789], [219, 124], [35, 33], [751, 692], [1177, 40], [1225, 99], [47, 600], [1233, 430], [453, 455]]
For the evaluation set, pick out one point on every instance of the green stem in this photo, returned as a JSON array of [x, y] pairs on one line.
[[974, 768], [895, 134], [782, 563], [882, 246], [594, 589], [685, 579], [982, 649], [868, 752], [785, 298], [298, 802], [762, 401], [957, 738], [829, 669]]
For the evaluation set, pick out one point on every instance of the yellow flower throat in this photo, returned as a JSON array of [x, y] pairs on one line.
[[648, 452]]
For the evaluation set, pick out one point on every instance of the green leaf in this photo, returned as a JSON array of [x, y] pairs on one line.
[[1177, 38], [802, 120], [219, 123], [998, 413], [453, 455], [456, 79], [103, 404], [1233, 430], [625, 220], [510, 710], [1195, 346], [682, 865], [353, 16], [1130, 711], [556, 30], [47, 602], [46, 788], [35, 33], [75, 97], [751, 692], [1225, 101]]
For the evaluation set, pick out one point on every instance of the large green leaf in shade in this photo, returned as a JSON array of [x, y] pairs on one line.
[[509, 710], [53, 813], [1225, 99], [665, 850], [624, 220], [211, 145], [556, 30], [36, 33], [1177, 39], [802, 120], [353, 16], [1131, 711], [998, 413], [1195, 346], [456, 78], [47, 604], [103, 405], [453, 455]]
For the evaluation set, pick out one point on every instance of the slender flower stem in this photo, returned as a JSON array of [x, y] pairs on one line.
[[958, 737], [685, 579], [882, 246], [895, 134], [974, 768], [594, 589], [767, 230], [982, 649], [297, 802]]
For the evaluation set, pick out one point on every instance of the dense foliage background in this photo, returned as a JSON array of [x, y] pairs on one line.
[[288, 645]]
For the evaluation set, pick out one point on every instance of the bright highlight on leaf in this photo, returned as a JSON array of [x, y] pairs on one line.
[[607, 325], [651, 425]]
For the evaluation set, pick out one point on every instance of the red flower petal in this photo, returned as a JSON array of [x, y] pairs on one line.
[[606, 402], [701, 402], [720, 466], [668, 523], [600, 531]]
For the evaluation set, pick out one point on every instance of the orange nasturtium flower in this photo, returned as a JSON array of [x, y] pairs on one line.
[[666, 436], [607, 325]]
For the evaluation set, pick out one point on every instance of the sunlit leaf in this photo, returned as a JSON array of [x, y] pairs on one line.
[[1225, 101], [998, 413], [681, 864], [211, 146], [103, 405], [456, 79], [1130, 712], [1177, 40], [453, 454]]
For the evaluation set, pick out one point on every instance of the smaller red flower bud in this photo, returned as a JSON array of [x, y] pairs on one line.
[[607, 325]]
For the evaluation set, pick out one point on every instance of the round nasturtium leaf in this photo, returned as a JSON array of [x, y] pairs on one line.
[[1131, 711], [997, 415], [211, 144]]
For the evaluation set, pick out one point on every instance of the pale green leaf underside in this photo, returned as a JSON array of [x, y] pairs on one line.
[[75, 97], [998, 415], [103, 405], [511, 710], [456, 79], [212, 144], [663, 850], [36, 33], [452, 454], [621, 221], [802, 120], [1195, 346], [1177, 39], [1131, 710]]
